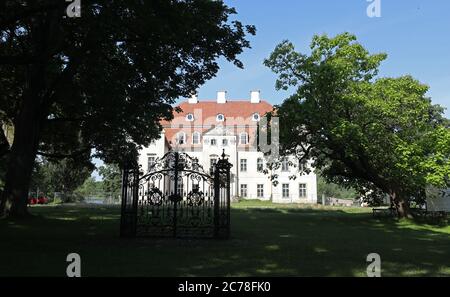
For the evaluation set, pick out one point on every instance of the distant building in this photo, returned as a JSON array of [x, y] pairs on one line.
[[440, 203], [204, 129]]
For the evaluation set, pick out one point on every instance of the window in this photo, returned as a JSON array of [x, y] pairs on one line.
[[260, 191], [243, 138], [213, 142], [243, 165], [180, 187], [285, 165], [212, 164], [224, 142], [220, 117], [259, 165], [196, 138], [244, 191], [190, 117], [181, 138], [302, 190], [302, 166], [150, 163], [285, 190], [256, 117]]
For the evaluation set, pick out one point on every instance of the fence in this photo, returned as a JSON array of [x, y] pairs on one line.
[[104, 198]]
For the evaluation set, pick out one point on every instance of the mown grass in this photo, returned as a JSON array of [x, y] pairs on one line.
[[267, 240]]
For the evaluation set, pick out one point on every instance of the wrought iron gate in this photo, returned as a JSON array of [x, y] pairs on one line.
[[177, 198]]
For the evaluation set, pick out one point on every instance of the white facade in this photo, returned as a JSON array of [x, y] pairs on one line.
[[249, 181], [441, 203]]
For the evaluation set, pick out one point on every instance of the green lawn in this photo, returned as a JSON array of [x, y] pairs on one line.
[[267, 240]]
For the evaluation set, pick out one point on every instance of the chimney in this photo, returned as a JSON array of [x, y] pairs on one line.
[[193, 99], [255, 97], [222, 97]]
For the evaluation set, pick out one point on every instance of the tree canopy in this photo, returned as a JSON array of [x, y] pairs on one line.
[[362, 131], [62, 176], [111, 179], [101, 82]]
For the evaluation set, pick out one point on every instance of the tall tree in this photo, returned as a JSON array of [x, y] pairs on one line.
[[64, 175], [372, 134], [102, 81], [112, 179]]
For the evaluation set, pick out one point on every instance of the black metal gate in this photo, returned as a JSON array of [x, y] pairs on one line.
[[177, 198]]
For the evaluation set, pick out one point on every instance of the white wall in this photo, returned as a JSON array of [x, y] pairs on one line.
[[157, 148], [440, 204], [251, 177], [294, 189]]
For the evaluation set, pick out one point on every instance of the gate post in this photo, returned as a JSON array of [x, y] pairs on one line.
[[216, 201], [175, 200], [222, 198], [130, 187]]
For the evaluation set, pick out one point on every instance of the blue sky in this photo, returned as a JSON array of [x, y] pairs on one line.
[[414, 33]]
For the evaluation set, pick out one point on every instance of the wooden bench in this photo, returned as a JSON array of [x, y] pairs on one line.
[[384, 212]]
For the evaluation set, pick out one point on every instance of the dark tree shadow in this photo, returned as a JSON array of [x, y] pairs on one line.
[[264, 242]]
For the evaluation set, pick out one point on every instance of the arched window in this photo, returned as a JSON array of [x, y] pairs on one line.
[[243, 138], [181, 138], [196, 138]]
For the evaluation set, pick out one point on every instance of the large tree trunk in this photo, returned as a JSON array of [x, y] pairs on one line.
[[24, 149], [401, 205]]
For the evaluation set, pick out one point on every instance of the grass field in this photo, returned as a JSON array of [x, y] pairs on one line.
[[267, 240]]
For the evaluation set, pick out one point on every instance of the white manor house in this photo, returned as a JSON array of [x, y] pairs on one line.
[[206, 129]]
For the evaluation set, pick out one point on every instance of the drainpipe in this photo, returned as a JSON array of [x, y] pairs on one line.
[[237, 171]]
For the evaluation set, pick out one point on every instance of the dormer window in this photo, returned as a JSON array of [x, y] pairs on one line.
[[220, 117], [256, 117], [181, 138], [190, 117], [243, 138], [196, 138]]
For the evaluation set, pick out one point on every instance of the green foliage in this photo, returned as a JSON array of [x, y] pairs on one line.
[[110, 76], [89, 187], [63, 176], [361, 131], [112, 179], [104, 81], [333, 190]]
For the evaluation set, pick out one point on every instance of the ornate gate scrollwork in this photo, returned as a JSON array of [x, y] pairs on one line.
[[176, 199]]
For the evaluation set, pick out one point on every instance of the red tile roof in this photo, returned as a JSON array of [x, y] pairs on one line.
[[238, 115]]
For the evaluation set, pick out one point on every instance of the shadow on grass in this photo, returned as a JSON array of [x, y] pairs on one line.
[[265, 242]]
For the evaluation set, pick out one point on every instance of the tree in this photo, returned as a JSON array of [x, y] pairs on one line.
[[333, 190], [362, 131], [89, 187], [112, 179], [101, 82], [65, 176]]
